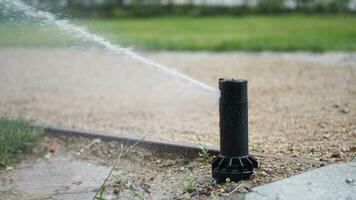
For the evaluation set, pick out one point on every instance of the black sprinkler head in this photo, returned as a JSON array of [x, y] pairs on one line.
[[234, 161]]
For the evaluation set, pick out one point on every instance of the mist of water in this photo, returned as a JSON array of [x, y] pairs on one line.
[[82, 33]]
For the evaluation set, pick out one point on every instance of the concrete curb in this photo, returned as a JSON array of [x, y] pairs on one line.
[[189, 150]]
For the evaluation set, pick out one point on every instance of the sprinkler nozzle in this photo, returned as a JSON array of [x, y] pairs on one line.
[[234, 161]]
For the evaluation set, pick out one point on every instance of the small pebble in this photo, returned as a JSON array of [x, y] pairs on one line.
[[349, 180], [344, 110], [335, 155], [116, 191], [186, 196], [326, 136], [353, 148], [264, 173]]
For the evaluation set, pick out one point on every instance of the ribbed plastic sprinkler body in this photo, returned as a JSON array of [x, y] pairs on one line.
[[234, 161]]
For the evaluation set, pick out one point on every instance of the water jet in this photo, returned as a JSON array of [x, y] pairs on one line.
[[45, 18], [234, 161]]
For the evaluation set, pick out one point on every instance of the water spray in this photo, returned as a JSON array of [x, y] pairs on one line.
[[234, 161], [82, 33]]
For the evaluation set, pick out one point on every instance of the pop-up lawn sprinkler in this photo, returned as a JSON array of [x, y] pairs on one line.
[[234, 161]]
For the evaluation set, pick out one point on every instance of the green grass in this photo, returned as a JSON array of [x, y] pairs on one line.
[[252, 33], [15, 136]]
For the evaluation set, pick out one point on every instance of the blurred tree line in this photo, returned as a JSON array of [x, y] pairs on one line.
[[150, 8]]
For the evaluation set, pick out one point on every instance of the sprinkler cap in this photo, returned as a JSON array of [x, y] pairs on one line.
[[233, 90]]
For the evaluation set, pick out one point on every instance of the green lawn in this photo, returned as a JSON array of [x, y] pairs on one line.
[[15, 136], [251, 33]]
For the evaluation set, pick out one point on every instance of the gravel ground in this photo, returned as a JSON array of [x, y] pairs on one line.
[[153, 175], [300, 104]]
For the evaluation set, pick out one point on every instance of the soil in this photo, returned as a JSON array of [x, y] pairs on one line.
[[300, 104], [153, 175]]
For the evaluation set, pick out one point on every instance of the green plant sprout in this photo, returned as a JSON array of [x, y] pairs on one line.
[[188, 183], [204, 152]]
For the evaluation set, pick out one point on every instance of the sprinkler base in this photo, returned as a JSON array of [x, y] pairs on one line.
[[233, 168]]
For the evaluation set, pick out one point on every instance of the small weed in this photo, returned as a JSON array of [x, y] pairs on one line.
[[123, 184], [259, 170], [123, 152], [204, 152], [188, 183], [100, 195], [256, 146], [227, 180]]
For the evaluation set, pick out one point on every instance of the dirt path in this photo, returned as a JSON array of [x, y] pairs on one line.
[[300, 104]]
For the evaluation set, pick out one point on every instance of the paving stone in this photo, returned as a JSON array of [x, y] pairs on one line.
[[54, 178], [337, 181]]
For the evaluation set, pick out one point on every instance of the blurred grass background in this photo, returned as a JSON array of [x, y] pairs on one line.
[[288, 32], [251, 33]]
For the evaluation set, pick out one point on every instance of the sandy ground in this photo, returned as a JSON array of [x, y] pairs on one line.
[[300, 104]]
